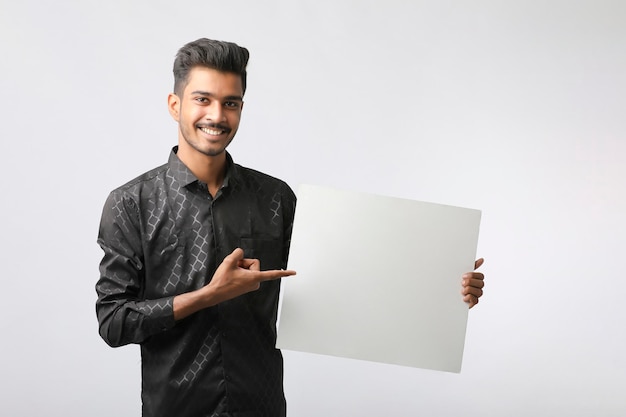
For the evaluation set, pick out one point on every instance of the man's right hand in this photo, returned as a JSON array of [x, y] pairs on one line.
[[235, 276]]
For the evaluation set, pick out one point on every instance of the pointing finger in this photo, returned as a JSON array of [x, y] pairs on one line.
[[275, 274]]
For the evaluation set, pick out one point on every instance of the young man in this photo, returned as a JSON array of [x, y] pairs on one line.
[[184, 245]]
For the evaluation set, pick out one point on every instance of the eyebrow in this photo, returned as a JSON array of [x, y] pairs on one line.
[[209, 94]]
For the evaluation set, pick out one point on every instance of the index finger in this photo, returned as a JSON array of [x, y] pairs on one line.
[[474, 276], [274, 274]]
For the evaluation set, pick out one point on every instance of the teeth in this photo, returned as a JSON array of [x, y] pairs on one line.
[[211, 131]]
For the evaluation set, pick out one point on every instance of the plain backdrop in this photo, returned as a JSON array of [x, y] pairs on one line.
[[516, 108]]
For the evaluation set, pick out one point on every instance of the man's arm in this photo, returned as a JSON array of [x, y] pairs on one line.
[[123, 315], [235, 276]]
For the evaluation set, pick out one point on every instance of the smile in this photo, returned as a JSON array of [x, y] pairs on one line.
[[212, 132]]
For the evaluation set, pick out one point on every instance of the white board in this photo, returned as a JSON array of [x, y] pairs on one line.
[[379, 278]]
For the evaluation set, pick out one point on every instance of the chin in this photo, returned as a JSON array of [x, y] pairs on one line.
[[214, 152]]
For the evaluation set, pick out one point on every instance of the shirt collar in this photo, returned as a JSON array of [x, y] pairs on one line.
[[184, 176]]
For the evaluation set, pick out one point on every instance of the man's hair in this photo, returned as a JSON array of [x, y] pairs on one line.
[[217, 55]]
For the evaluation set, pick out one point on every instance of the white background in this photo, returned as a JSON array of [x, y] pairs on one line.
[[516, 108]]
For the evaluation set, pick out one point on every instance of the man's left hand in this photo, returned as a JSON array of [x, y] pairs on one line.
[[473, 283]]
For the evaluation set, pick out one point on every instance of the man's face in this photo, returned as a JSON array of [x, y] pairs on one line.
[[208, 112]]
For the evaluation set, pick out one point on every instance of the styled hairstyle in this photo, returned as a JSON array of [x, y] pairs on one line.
[[217, 55]]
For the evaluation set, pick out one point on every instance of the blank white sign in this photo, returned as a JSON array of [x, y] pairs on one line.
[[379, 279]]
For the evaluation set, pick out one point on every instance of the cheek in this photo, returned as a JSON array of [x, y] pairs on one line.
[[190, 116], [234, 120]]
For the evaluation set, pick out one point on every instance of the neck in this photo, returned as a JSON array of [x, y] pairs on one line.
[[208, 169]]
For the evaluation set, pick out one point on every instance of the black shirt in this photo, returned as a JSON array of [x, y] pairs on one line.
[[163, 235]]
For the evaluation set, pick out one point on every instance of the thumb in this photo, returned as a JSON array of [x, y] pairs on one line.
[[478, 263], [235, 256]]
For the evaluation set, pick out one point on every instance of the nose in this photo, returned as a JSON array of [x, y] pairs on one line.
[[215, 112]]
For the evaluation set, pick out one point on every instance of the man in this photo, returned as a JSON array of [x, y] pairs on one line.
[[184, 245]]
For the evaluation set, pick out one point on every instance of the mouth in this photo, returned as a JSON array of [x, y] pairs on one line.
[[214, 130]]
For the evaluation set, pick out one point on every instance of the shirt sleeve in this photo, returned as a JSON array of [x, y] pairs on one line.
[[123, 315]]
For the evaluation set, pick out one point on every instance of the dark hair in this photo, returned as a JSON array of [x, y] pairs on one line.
[[218, 55]]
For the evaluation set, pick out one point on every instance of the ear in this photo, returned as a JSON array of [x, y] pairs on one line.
[[173, 105]]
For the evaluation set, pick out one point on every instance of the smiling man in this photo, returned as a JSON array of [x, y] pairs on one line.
[[184, 245], [193, 253]]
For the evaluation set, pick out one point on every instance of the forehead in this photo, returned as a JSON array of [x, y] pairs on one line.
[[214, 81]]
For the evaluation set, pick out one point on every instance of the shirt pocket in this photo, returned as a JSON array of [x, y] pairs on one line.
[[269, 251]]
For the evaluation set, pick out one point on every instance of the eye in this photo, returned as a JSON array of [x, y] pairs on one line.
[[202, 100], [231, 104]]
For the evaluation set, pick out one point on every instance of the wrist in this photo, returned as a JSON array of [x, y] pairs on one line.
[[191, 302]]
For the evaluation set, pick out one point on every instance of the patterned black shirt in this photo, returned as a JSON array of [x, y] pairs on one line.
[[163, 235]]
